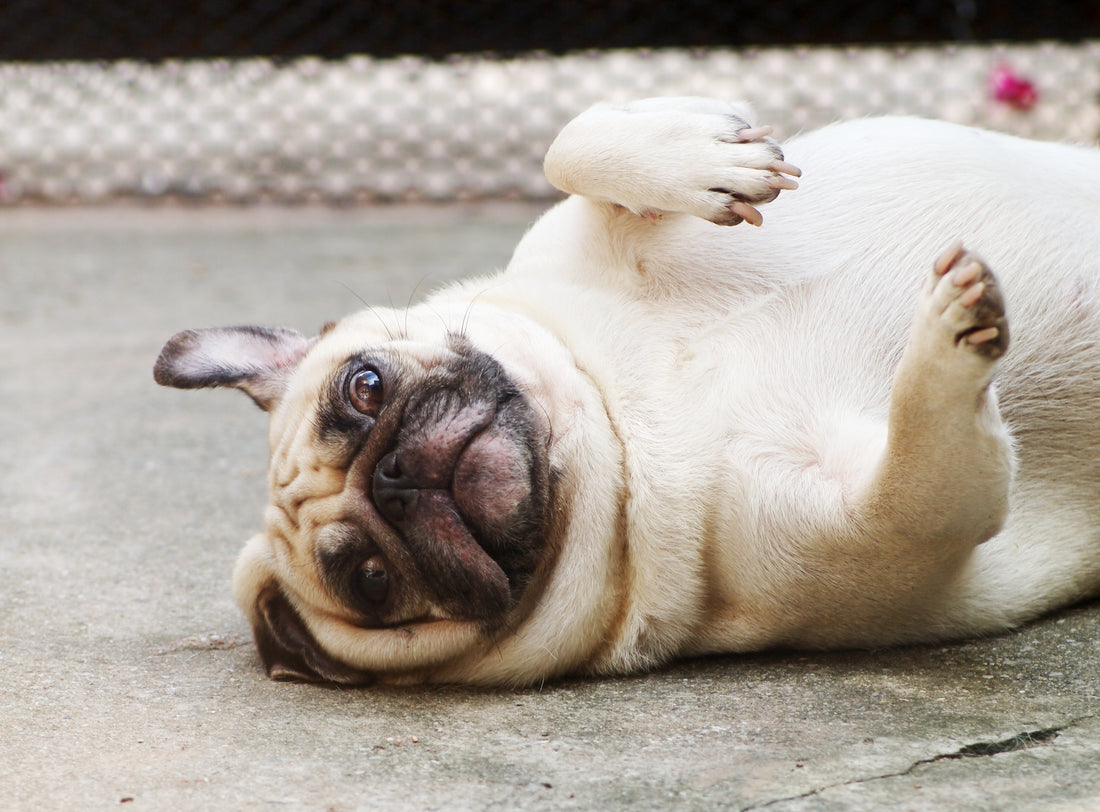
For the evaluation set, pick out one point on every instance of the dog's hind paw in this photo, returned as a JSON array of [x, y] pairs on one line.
[[964, 293]]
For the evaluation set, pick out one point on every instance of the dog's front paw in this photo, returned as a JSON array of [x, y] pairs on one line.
[[750, 171], [671, 155]]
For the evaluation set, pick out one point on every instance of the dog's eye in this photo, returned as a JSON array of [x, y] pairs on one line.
[[375, 578], [365, 391]]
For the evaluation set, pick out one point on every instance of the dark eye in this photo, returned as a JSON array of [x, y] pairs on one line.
[[365, 391], [375, 578]]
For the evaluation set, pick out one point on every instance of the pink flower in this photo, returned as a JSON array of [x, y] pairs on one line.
[[1014, 90]]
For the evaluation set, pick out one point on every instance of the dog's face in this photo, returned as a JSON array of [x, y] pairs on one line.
[[413, 516]]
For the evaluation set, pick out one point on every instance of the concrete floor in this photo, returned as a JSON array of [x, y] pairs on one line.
[[130, 679]]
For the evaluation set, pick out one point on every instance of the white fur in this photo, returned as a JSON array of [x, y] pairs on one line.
[[747, 374]]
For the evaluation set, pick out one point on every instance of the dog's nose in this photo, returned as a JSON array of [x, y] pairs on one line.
[[394, 491]]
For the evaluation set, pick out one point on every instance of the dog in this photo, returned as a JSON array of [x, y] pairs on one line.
[[669, 429]]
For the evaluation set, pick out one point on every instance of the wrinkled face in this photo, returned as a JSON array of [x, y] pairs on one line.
[[410, 491], [426, 488]]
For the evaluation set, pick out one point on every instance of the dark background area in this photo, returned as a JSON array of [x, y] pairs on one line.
[[40, 30]]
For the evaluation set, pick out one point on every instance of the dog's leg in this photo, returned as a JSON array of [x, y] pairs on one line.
[[942, 485], [877, 565], [695, 156]]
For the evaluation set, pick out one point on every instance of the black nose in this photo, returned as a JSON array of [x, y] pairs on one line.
[[394, 491]]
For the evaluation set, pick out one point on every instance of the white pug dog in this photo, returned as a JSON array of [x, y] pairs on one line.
[[654, 435]]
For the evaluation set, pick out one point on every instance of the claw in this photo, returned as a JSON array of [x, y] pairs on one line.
[[780, 182], [982, 336], [754, 133], [972, 295], [785, 168], [966, 275], [746, 212], [945, 260]]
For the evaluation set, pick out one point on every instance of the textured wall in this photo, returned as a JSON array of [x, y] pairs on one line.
[[361, 129]]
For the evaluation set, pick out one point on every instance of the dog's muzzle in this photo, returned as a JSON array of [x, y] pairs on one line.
[[465, 487]]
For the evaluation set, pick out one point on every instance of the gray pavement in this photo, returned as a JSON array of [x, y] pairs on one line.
[[128, 678]]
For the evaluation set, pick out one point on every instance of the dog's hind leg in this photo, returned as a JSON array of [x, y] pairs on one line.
[[942, 485], [689, 155], [880, 565]]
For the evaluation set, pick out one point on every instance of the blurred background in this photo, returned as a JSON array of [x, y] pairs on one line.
[[352, 101]]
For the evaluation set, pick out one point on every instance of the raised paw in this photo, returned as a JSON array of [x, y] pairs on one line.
[[759, 174], [691, 156], [965, 297]]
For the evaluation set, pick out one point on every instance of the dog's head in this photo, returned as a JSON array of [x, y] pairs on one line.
[[414, 514]]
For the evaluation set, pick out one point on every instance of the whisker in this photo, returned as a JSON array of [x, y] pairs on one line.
[[369, 308], [549, 422], [412, 295], [534, 400], [354, 293], [443, 321], [470, 308], [378, 315], [393, 309]]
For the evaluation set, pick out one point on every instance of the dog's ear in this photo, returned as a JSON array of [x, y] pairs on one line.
[[257, 360], [289, 652]]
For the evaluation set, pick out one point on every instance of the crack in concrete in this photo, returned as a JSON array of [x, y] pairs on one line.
[[1022, 741]]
